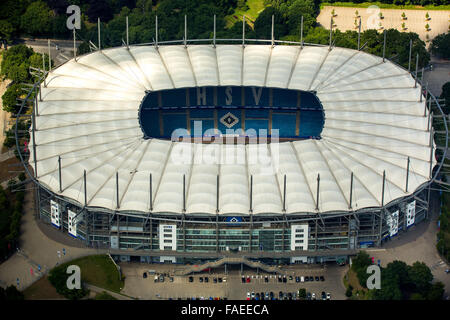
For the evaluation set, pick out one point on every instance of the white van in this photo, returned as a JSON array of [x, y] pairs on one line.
[[302, 279]]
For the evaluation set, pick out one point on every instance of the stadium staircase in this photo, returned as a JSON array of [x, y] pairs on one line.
[[228, 260]]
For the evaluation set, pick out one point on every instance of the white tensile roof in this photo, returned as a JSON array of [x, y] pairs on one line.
[[373, 122]]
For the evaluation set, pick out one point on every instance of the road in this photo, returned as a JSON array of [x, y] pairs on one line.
[[65, 48]]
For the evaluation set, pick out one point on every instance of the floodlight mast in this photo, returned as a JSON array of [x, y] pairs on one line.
[[351, 191], [151, 193], [301, 33], [359, 34], [417, 70], [49, 57], [410, 52], [318, 191], [331, 32], [214, 33], [284, 195], [407, 174], [99, 38], [156, 32], [243, 31], [74, 46], [273, 21], [128, 38], [185, 31]]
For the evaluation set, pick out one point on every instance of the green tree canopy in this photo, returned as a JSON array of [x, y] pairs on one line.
[[440, 45], [6, 30], [37, 19], [420, 276]]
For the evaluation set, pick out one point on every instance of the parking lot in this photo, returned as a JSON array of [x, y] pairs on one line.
[[232, 284]]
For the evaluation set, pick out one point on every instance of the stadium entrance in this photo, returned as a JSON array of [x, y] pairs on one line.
[[209, 113]]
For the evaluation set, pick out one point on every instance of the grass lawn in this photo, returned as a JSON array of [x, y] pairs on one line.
[[359, 293], [382, 6], [104, 296], [254, 9], [42, 290], [99, 271]]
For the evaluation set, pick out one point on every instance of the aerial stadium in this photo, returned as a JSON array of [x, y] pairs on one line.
[[278, 152]]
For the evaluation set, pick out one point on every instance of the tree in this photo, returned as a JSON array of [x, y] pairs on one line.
[[445, 94], [359, 265], [436, 291], [99, 9], [9, 98], [420, 276], [302, 293], [349, 291], [15, 63], [36, 19], [6, 30], [440, 45], [263, 24], [11, 293]]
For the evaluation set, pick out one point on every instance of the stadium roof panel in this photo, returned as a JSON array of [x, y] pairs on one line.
[[373, 123]]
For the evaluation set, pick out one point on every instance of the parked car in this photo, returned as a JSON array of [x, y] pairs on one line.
[[144, 275], [313, 296], [308, 296], [191, 279], [206, 279], [215, 280], [266, 279], [171, 279], [317, 278], [200, 279], [243, 279], [328, 296], [284, 279], [290, 278], [156, 279], [311, 278], [253, 295], [324, 295], [289, 296], [322, 278], [220, 280], [280, 295], [257, 296], [248, 279], [271, 295], [302, 279], [306, 279], [280, 279], [248, 295], [297, 279], [267, 297]]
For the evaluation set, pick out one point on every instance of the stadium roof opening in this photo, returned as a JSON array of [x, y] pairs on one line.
[[231, 111]]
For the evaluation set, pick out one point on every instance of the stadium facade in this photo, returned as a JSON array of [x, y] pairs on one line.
[[280, 153]]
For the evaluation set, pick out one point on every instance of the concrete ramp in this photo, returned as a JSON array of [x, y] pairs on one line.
[[228, 260]]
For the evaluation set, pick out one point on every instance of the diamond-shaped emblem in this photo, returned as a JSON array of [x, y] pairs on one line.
[[229, 120]]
